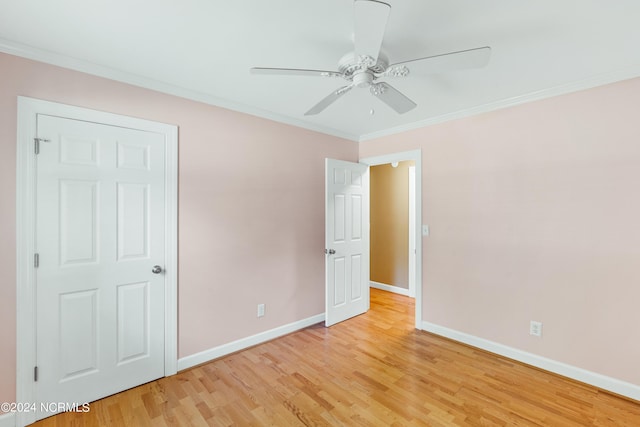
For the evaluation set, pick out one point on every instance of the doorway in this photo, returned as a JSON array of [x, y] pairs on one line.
[[392, 218], [416, 218]]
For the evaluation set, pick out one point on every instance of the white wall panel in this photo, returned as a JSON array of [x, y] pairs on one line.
[[78, 151], [133, 321], [340, 293], [339, 223], [78, 221], [133, 220], [133, 156], [78, 314]]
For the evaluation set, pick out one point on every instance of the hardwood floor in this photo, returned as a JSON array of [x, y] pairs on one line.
[[373, 370]]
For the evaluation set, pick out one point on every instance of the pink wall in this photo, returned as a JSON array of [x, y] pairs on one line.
[[534, 213], [251, 207]]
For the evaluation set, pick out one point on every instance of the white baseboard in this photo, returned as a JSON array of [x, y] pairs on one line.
[[390, 288], [614, 385], [8, 420], [241, 344]]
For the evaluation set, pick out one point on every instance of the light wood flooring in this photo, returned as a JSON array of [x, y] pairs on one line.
[[373, 370]]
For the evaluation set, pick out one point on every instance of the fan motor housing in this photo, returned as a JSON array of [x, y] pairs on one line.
[[363, 79], [351, 65]]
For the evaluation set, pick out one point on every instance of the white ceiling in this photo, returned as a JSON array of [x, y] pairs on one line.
[[203, 49]]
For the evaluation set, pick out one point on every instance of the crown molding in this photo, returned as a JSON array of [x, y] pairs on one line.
[[587, 83], [40, 55], [29, 52]]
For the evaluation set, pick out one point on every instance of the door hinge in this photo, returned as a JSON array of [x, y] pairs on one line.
[[35, 373], [37, 142], [36, 260]]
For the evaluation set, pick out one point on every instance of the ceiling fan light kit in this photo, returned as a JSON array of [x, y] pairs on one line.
[[363, 67]]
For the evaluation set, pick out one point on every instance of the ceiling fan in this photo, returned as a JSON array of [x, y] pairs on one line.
[[366, 65]]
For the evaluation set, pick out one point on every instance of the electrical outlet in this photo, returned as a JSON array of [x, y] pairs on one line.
[[535, 328], [260, 310]]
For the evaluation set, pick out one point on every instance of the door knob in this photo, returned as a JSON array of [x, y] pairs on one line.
[[330, 251], [156, 269]]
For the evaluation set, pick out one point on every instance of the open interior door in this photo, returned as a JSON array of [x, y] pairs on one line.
[[346, 240]]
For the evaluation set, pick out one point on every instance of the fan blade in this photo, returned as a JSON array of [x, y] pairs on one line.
[[392, 97], [370, 23], [333, 97], [294, 72], [472, 58]]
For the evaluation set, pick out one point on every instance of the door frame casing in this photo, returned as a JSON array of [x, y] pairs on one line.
[[416, 156], [413, 223], [28, 109]]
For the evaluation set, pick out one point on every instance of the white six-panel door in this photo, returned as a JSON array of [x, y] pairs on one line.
[[346, 240], [100, 230]]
